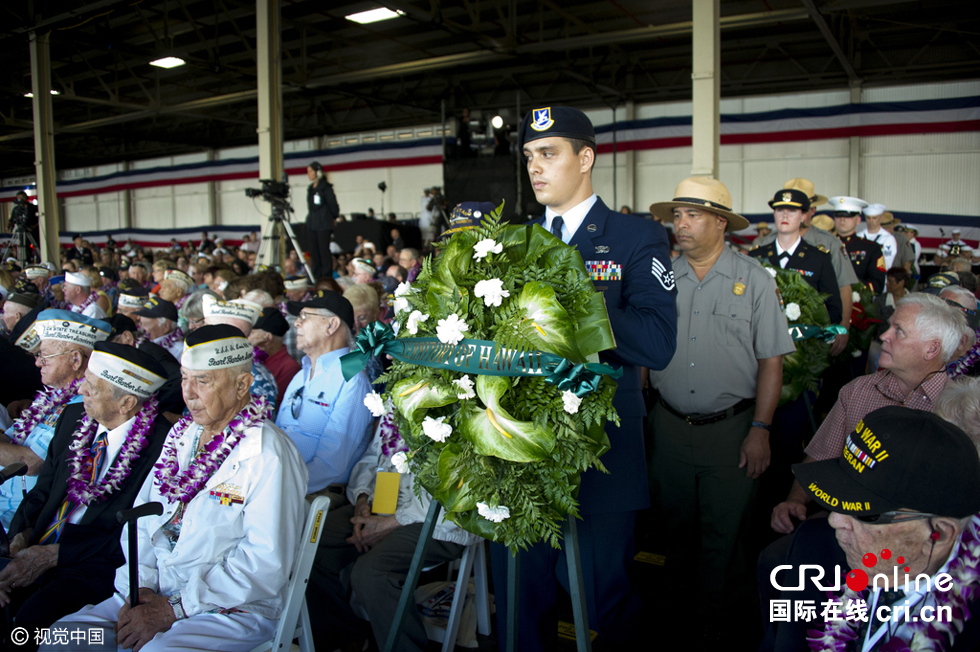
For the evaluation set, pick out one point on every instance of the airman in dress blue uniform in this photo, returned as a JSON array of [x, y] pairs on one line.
[[629, 260]]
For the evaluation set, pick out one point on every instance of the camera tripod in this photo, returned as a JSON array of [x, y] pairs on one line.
[[271, 251], [21, 237]]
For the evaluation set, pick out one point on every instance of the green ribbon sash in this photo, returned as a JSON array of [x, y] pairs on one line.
[[478, 357], [825, 333]]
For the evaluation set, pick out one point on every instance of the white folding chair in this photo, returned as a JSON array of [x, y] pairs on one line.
[[295, 620], [474, 561]]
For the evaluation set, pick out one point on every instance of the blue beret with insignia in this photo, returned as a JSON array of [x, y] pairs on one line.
[[560, 121]]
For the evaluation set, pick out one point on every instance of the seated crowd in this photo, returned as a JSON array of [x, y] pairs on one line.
[[195, 377]]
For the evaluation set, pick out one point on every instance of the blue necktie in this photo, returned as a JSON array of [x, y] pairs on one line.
[[556, 223]]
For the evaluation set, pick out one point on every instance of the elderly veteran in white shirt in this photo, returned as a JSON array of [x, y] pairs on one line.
[[79, 294], [214, 567], [242, 314]]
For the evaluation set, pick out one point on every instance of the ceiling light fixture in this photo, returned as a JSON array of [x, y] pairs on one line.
[[497, 122], [168, 62], [374, 15], [52, 91]]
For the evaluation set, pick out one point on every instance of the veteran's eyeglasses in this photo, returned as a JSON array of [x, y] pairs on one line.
[[886, 518], [43, 358], [296, 402]]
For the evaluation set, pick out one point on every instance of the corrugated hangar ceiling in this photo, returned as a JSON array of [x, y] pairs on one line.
[[341, 76]]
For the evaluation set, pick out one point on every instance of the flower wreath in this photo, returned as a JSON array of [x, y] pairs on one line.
[[501, 411], [809, 324]]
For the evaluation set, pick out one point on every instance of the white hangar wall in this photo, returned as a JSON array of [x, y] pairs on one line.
[[933, 173]]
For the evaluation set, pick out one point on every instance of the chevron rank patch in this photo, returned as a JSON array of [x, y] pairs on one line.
[[227, 494], [604, 270], [665, 277]]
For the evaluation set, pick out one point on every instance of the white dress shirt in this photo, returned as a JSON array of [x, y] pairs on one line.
[[572, 218]]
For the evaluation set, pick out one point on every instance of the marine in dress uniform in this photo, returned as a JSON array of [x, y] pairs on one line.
[[866, 256], [717, 398], [813, 264], [629, 261]]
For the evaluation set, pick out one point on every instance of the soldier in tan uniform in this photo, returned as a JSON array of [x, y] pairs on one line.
[[717, 396], [827, 243]]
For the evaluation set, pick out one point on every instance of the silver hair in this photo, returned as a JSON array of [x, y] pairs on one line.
[[193, 308], [260, 297], [959, 404], [118, 393], [959, 265], [960, 295], [937, 320], [351, 342]]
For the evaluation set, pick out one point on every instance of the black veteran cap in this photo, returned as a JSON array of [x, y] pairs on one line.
[[791, 199], [468, 215], [157, 307], [898, 458], [939, 282], [561, 121], [120, 323], [29, 300], [326, 300], [273, 322]]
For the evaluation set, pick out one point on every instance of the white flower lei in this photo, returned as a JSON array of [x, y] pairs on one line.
[[92, 298], [185, 486], [46, 401], [81, 489]]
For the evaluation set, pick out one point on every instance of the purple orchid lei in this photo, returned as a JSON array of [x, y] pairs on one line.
[[46, 400], [92, 298], [966, 363], [391, 439], [171, 337], [81, 489], [935, 635], [175, 485]]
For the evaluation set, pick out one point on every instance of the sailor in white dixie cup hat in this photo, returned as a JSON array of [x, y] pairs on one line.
[[78, 293], [874, 233]]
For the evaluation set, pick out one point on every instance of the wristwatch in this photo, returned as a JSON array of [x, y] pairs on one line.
[[761, 424], [178, 608]]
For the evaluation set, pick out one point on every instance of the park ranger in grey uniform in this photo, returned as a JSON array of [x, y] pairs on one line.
[[717, 395], [827, 243]]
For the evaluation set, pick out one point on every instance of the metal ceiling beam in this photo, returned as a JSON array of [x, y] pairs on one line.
[[660, 31], [67, 15], [831, 40]]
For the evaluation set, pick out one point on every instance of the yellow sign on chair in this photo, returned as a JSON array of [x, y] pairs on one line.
[[386, 493]]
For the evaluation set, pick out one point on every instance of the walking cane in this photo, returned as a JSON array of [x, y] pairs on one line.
[[9, 471], [130, 516]]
